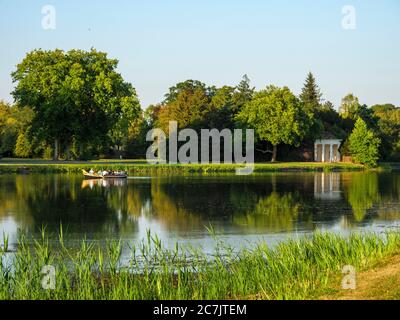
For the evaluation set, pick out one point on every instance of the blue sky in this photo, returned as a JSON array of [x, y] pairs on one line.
[[162, 42]]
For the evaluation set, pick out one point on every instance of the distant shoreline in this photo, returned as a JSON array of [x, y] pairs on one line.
[[137, 166]]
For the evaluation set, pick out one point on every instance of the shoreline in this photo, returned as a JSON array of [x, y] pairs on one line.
[[308, 268], [141, 166]]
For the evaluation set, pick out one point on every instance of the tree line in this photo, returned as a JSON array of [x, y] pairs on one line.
[[75, 105]]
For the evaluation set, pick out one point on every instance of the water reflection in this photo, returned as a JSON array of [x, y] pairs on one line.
[[180, 207], [92, 183], [327, 186]]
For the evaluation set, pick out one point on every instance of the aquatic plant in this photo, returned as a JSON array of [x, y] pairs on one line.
[[297, 269]]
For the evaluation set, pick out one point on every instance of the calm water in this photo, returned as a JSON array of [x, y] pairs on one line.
[[241, 209]]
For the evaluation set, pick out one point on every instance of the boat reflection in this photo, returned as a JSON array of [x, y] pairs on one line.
[[103, 183]]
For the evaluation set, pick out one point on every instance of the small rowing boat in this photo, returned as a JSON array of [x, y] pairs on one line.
[[89, 175]]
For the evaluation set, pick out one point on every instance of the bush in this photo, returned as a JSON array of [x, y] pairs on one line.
[[23, 147], [364, 145]]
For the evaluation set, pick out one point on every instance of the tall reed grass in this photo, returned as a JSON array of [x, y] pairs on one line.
[[296, 269]]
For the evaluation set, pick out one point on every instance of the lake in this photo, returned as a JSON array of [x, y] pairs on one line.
[[240, 209]]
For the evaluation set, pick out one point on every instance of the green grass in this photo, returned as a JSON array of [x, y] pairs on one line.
[[141, 166], [297, 269]]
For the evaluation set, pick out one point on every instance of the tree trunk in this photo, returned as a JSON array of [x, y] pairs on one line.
[[274, 151], [68, 152], [81, 151], [55, 155]]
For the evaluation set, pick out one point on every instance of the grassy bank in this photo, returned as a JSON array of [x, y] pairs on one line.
[[297, 269], [382, 282], [142, 167]]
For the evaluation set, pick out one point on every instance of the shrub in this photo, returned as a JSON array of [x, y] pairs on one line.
[[23, 147]]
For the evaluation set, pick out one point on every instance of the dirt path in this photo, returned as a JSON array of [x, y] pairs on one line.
[[379, 283]]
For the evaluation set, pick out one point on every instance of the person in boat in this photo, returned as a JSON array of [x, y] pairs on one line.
[[91, 171]]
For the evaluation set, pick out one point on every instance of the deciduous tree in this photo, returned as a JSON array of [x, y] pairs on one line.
[[277, 116], [76, 95], [349, 106]]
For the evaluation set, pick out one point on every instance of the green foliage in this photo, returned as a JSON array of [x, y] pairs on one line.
[[349, 106], [189, 109], [23, 147], [76, 104], [277, 116], [6, 140], [222, 108], [300, 268], [195, 105], [362, 193], [383, 107], [47, 153], [136, 141], [14, 122], [388, 123], [311, 100], [310, 94], [189, 86], [4, 112], [242, 95], [227, 102], [364, 144], [74, 95]]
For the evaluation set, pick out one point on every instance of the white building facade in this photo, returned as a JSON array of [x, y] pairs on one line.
[[327, 150]]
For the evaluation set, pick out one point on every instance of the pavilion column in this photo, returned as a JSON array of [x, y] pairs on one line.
[[331, 152], [323, 152], [315, 152]]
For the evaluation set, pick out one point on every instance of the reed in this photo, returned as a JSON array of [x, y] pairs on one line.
[[5, 243], [296, 269]]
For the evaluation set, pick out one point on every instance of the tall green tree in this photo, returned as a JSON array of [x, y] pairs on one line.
[[363, 144], [4, 113], [310, 97], [193, 104], [277, 116], [388, 122], [75, 95], [4, 116], [349, 107], [14, 124], [311, 94], [223, 108], [243, 93], [188, 86], [190, 109], [227, 102]]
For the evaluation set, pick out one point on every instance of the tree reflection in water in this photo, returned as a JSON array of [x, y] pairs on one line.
[[183, 205]]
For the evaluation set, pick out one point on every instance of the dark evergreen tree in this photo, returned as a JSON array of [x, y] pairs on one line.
[[244, 89], [310, 98], [310, 94], [243, 94]]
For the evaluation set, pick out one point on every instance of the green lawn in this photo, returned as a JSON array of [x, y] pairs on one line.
[[134, 166]]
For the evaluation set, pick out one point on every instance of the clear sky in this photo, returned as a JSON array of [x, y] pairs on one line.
[[161, 42]]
